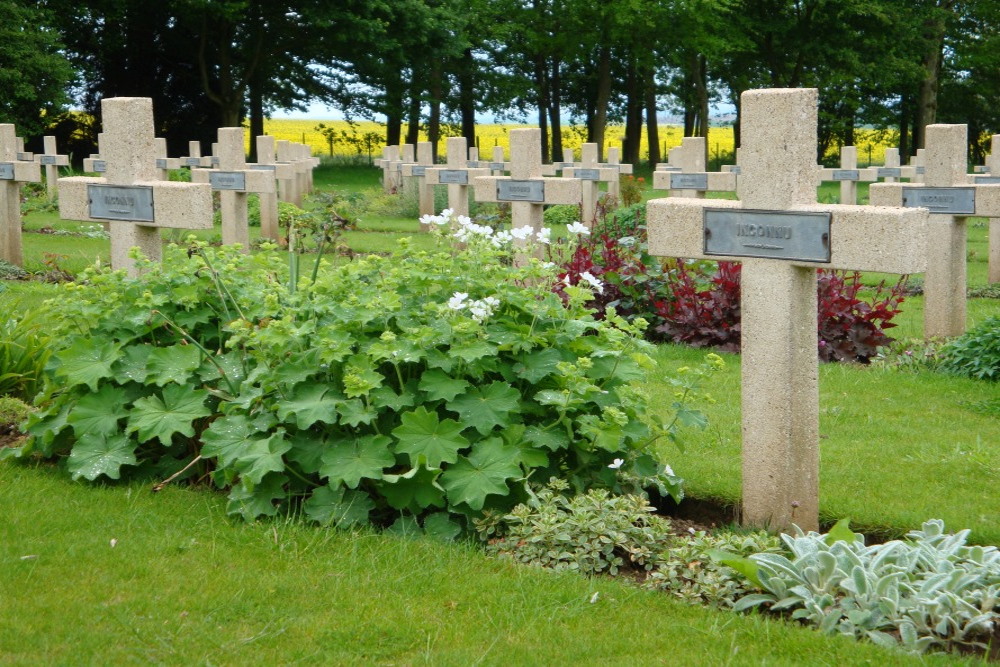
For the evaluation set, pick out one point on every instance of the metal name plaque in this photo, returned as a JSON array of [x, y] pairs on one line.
[[215, 161], [918, 170], [565, 165], [228, 180], [587, 174], [119, 202], [25, 157], [533, 191], [192, 162], [418, 171], [6, 171], [736, 169], [981, 169], [472, 164], [100, 166], [846, 175], [263, 167], [955, 201], [161, 163], [453, 176], [889, 172], [689, 181], [668, 169], [47, 160], [987, 180], [800, 237], [496, 166]]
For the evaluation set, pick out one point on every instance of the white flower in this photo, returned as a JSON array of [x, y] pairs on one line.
[[544, 235], [457, 299], [462, 219], [492, 301], [578, 228], [616, 464], [566, 280], [548, 266], [447, 213], [522, 233], [668, 470], [594, 282]]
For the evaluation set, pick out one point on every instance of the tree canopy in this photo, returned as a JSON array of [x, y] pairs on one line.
[[437, 63]]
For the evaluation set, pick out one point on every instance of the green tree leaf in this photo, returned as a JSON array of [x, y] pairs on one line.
[[338, 507], [311, 403], [95, 455], [99, 413], [484, 472], [429, 440], [440, 386], [87, 362], [174, 412], [362, 458], [486, 407], [175, 363]]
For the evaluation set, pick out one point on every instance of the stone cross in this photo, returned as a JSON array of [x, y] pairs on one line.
[[497, 164], [269, 200], [13, 173], [917, 167], [692, 181], [95, 164], [781, 235], [457, 175], [194, 158], [390, 155], [733, 168], [891, 171], [233, 180], [525, 189], [307, 164], [163, 163], [614, 162], [288, 188], [849, 175], [418, 174], [992, 167], [590, 173], [950, 200], [406, 156], [131, 197], [51, 160], [21, 154], [213, 157], [569, 161]]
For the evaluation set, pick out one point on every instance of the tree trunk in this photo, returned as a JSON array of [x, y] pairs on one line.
[[542, 92], [633, 113], [434, 120], [701, 97], [904, 129], [602, 99], [413, 117], [467, 97], [934, 30], [652, 129], [256, 115], [555, 110]]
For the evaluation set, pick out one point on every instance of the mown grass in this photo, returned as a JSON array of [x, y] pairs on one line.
[[182, 584]]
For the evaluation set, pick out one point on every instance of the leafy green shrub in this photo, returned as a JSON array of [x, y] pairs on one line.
[[928, 591], [976, 353], [253, 212], [420, 383], [24, 351], [626, 222], [687, 570], [590, 533], [13, 411], [561, 214]]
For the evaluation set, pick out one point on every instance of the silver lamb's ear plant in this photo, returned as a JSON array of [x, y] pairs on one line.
[[931, 589]]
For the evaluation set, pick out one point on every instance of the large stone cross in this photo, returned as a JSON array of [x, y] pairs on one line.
[[418, 173], [51, 159], [590, 172], [163, 163], [497, 164], [288, 182], [194, 158], [457, 175], [525, 189], [891, 172], [848, 175], [13, 173], [946, 192], [992, 168], [233, 180], [692, 180], [781, 235], [130, 196], [614, 162], [269, 200], [390, 155]]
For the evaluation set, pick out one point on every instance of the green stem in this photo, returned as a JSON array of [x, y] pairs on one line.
[[208, 355]]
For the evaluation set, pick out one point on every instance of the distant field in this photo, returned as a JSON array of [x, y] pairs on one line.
[[720, 139]]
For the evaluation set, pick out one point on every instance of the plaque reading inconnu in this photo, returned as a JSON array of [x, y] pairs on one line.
[[689, 181], [263, 167], [228, 180], [954, 201], [801, 237], [121, 202], [533, 191], [587, 174], [47, 160], [100, 166], [192, 162], [496, 166], [6, 171], [987, 180], [453, 176], [161, 163], [418, 170], [888, 172], [846, 175]]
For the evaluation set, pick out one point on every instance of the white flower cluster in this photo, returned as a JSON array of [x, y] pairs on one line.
[[479, 309], [589, 277], [578, 228], [469, 230], [445, 218]]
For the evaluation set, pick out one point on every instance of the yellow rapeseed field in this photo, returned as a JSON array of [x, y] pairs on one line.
[[720, 139]]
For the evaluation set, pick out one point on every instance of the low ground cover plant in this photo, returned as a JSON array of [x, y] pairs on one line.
[[432, 385], [976, 353]]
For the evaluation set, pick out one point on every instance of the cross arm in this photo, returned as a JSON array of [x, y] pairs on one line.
[[434, 174], [891, 194], [718, 181], [27, 172], [179, 205], [255, 180], [606, 174], [557, 190]]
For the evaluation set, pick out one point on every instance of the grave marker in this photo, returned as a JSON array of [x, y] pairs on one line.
[[525, 189], [690, 179], [13, 173], [233, 180], [163, 163], [130, 197], [95, 164], [390, 155], [497, 164], [780, 393], [590, 172], [849, 175], [194, 158], [269, 200], [950, 199], [457, 174], [614, 162], [51, 160], [418, 174]]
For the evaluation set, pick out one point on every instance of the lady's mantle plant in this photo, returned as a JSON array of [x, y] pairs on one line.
[[433, 384]]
